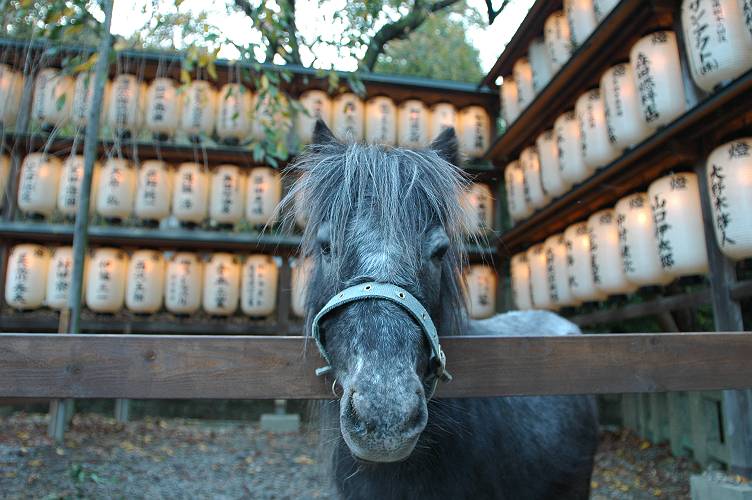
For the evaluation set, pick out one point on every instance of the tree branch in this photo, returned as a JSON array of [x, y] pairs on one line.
[[293, 57], [492, 14]]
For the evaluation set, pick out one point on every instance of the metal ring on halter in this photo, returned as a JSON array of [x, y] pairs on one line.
[[334, 389]]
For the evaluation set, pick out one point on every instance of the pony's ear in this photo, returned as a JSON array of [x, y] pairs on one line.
[[446, 146], [322, 134]]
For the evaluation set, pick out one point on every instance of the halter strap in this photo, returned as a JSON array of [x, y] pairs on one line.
[[396, 295]]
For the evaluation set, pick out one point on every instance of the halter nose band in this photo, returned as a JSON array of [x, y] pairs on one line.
[[396, 295]]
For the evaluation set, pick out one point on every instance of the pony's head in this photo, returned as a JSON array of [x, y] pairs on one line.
[[385, 215]]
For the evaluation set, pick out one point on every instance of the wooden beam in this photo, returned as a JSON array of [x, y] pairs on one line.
[[177, 367]]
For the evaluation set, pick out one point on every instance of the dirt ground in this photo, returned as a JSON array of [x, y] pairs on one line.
[[178, 458]]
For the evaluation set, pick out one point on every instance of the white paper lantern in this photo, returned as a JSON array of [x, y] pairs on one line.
[[271, 116], [381, 121], [263, 194], [199, 109], [569, 141], [539, 289], [234, 113], [518, 194], [59, 278], [557, 271], [154, 191], [226, 202], [412, 124], [83, 94], [162, 108], [478, 205], [146, 276], [510, 106], [605, 252], [124, 110], [26, 277], [116, 189], [190, 193], [597, 150], [474, 134], [520, 274], [221, 284], [729, 175], [531, 169], [299, 211], [655, 63], [37, 188], [581, 19], [639, 249], [579, 263], [106, 280], [548, 155], [4, 173], [443, 116], [481, 291], [11, 90], [621, 99], [183, 283], [53, 98], [540, 63], [523, 77], [318, 106], [603, 8], [300, 274], [69, 187], [558, 40], [675, 201], [258, 294], [348, 117]]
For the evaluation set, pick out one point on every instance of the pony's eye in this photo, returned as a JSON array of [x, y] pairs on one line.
[[326, 248], [439, 253]]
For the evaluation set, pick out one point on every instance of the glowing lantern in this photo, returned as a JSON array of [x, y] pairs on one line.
[[569, 140], [532, 171], [518, 194], [626, 126], [603, 8], [481, 291], [474, 133], [523, 77], [639, 251], [729, 174], [557, 272], [597, 150], [478, 205], [124, 109], [263, 194], [605, 252], [510, 106], [4, 172], [53, 96], [258, 293], [221, 284], [183, 283], [381, 121], [199, 109], [520, 274], [83, 93], [348, 117], [558, 40], [146, 276], [317, 106], [162, 109], [581, 19], [300, 274], [540, 63], [234, 113], [539, 289], [548, 155], [655, 62], [69, 188], [675, 201], [26, 277], [105, 280], [11, 90], [412, 124], [443, 116], [153, 192], [226, 196], [59, 278], [271, 115], [190, 193], [37, 188], [116, 189], [579, 263]]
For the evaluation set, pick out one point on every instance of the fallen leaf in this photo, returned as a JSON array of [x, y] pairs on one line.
[[303, 460], [60, 451], [645, 445], [202, 447], [35, 463]]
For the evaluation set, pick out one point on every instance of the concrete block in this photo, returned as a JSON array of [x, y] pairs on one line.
[[287, 422], [718, 486]]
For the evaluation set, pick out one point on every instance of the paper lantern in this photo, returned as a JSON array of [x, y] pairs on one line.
[[520, 274], [597, 150], [412, 124], [481, 291], [478, 205], [474, 134], [557, 271], [59, 278], [443, 116], [300, 274], [162, 109], [603, 8], [348, 117], [317, 106], [518, 194], [605, 252], [624, 121], [258, 293], [37, 188], [4, 173], [199, 109], [510, 106], [26, 277], [579, 263], [106, 280], [190, 193], [540, 63], [558, 40], [532, 171], [639, 250], [569, 140], [234, 113], [581, 19], [116, 189], [675, 201], [299, 211], [548, 155], [154, 191], [146, 277], [69, 187], [271, 116], [729, 174], [227, 190], [83, 94], [183, 283], [124, 108], [53, 96], [263, 194], [11, 90], [539, 289], [523, 77], [221, 284], [655, 63], [381, 121]]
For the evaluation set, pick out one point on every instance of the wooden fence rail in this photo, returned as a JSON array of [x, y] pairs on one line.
[[222, 367]]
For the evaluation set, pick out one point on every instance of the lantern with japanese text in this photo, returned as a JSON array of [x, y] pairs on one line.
[[539, 289], [478, 206], [443, 116], [37, 187], [221, 284], [11, 90], [558, 40], [621, 99], [124, 108], [579, 263], [605, 253], [412, 124], [316, 106], [190, 193], [162, 108], [348, 117], [474, 133], [523, 77], [53, 98], [106, 280], [540, 63], [510, 107], [227, 190], [116, 189], [531, 169], [381, 121], [83, 94], [481, 291], [263, 194], [183, 283], [300, 273], [59, 278], [603, 8], [557, 272], [258, 288], [518, 195], [520, 274], [597, 149], [145, 287], [198, 109], [69, 187], [569, 140], [234, 113], [26, 276], [581, 19], [548, 155], [153, 192]]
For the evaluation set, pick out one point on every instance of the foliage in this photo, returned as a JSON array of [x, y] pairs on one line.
[[72, 20]]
